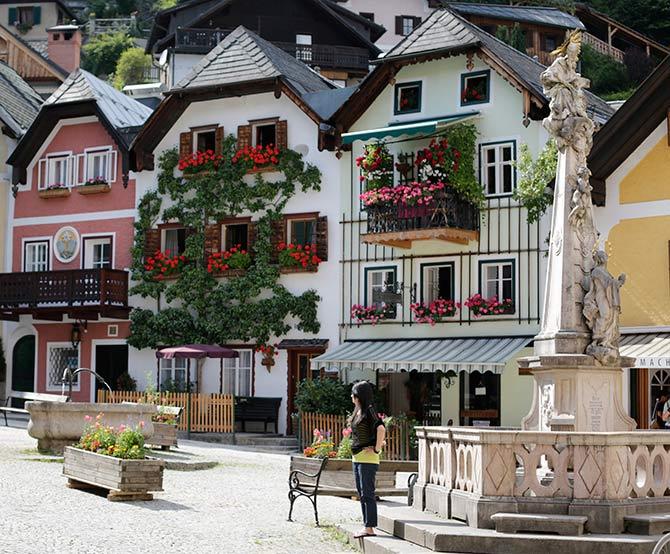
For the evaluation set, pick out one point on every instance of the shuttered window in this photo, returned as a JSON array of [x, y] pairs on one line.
[[437, 281]]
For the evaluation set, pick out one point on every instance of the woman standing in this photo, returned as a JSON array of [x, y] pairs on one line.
[[367, 432]]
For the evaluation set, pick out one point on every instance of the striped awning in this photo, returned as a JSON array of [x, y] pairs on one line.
[[650, 349], [462, 354]]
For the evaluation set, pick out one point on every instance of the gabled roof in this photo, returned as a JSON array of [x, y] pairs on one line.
[[244, 56], [631, 125], [443, 34], [537, 15], [19, 103], [47, 66]]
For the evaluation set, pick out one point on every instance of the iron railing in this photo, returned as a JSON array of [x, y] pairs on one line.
[[199, 41]]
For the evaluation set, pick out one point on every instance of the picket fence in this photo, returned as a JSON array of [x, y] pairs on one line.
[[397, 436], [210, 413]]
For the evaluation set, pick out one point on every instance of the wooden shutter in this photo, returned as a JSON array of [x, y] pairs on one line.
[[322, 238], [69, 171], [398, 24], [152, 242], [278, 236], [42, 176], [282, 134], [80, 169], [212, 238], [243, 136], [113, 162], [37, 15], [417, 22], [252, 233], [218, 141], [12, 16], [185, 145]]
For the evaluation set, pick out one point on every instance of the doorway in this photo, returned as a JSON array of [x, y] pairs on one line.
[[23, 364], [299, 371], [479, 398], [111, 361]]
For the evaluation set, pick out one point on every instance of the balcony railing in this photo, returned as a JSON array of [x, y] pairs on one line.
[[447, 216], [602, 47], [103, 291], [199, 41]]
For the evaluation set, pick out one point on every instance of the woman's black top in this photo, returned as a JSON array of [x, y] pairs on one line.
[[364, 430]]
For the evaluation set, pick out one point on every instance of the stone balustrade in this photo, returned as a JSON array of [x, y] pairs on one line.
[[541, 471]]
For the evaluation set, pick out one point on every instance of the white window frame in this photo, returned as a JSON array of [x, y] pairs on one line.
[[369, 286], [262, 123], [233, 364], [425, 268], [303, 47], [51, 387], [196, 132], [170, 365], [224, 233], [30, 241], [88, 241], [498, 163], [291, 221], [46, 168], [407, 28], [484, 280], [164, 237], [89, 154]]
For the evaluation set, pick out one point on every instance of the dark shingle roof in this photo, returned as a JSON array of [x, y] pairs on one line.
[[120, 110], [538, 15], [242, 57], [326, 102], [19, 103]]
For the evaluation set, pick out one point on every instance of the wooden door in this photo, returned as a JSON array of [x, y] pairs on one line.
[[298, 371]]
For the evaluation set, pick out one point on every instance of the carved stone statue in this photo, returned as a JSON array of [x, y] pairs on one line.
[[602, 305]]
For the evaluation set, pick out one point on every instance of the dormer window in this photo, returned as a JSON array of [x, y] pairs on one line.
[[265, 133], [101, 165], [54, 171], [407, 98]]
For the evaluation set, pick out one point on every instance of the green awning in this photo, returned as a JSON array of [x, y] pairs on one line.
[[427, 127]]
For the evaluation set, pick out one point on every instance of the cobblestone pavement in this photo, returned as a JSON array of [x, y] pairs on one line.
[[240, 506]]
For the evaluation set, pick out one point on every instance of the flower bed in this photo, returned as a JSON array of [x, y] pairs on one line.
[[372, 314], [376, 166], [480, 306], [162, 265], [234, 258], [434, 311], [298, 256]]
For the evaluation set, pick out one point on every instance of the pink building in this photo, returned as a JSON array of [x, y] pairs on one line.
[[71, 235]]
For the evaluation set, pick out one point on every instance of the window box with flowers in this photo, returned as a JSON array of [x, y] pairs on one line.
[[372, 314], [258, 159], [296, 258], [199, 163], [54, 191], [95, 185], [269, 352], [376, 166], [163, 265], [480, 306], [435, 311], [165, 427], [234, 261]]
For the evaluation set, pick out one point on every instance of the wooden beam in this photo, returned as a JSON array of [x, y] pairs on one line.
[[47, 316], [85, 314], [9, 316]]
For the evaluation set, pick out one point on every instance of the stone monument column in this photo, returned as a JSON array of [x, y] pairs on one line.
[[576, 363]]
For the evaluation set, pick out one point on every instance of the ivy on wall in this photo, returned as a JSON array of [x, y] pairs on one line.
[[251, 307], [534, 178]]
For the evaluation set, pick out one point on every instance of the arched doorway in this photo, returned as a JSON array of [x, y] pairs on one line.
[[23, 364]]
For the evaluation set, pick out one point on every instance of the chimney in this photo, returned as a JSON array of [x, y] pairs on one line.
[[64, 46]]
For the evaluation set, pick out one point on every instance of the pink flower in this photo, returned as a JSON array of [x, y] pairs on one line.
[[88, 418], [141, 424]]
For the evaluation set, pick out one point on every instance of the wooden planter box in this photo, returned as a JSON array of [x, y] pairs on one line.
[[93, 189], [338, 474], [54, 193], [124, 479], [165, 435], [203, 173], [299, 269]]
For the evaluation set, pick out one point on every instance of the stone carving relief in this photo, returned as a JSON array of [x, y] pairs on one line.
[[602, 305], [546, 406]]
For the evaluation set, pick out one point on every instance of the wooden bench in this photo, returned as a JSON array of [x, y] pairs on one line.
[[37, 396], [257, 408]]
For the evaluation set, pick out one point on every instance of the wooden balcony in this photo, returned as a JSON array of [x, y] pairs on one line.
[[198, 41], [448, 218], [603, 47], [49, 295]]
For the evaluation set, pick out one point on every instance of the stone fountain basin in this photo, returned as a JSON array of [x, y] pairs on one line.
[[56, 425]]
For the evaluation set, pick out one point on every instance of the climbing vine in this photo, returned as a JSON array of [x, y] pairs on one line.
[[463, 137], [250, 307], [534, 178]]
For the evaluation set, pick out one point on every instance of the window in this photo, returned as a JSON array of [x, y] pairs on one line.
[[407, 98], [497, 279], [302, 231], [174, 240], [475, 88], [405, 24], [234, 234], [57, 173], [36, 256], [25, 15], [60, 356], [550, 43], [97, 253], [367, 15], [303, 47], [498, 174], [98, 165], [173, 374], [437, 281], [377, 280], [237, 374], [265, 134], [204, 140]]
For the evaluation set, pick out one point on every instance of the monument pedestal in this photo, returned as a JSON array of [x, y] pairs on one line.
[[572, 393]]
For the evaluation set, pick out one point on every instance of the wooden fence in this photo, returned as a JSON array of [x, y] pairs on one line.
[[398, 436], [210, 413]]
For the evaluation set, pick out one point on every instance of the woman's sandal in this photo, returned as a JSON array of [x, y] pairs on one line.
[[363, 534]]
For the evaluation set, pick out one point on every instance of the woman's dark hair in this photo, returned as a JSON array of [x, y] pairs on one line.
[[365, 394]]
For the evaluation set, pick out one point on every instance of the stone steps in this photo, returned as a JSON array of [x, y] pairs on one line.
[[439, 535], [383, 543], [647, 524], [539, 523]]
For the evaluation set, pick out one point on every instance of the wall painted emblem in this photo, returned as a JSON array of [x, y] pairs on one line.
[[66, 244]]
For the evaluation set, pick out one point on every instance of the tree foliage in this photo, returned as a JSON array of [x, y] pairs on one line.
[[252, 307], [131, 68], [534, 178], [514, 36], [100, 54]]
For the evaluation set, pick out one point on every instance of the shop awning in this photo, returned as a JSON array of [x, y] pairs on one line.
[[651, 350], [427, 127], [462, 354]]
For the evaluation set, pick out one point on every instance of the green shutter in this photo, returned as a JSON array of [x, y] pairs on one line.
[[37, 15], [12, 16]]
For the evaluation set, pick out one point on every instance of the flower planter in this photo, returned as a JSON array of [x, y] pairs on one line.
[[309, 269], [229, 273], [410, 212], [203, 173], [264, 169], [338, 474], [94, 189], [124, 479], [165, 435], [54, 193]]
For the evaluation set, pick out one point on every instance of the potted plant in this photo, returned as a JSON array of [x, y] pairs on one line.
[[269, 352], [165, 427], [199, 163], [435, 311], [94, 185], [480, 306], [113, 459], [163, 265], [372, 314], [258, 158], [298, 257], [235, 259], [55, 191], [376, 166]]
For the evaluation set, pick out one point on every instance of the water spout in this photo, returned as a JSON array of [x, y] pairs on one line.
[[69, 375]]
